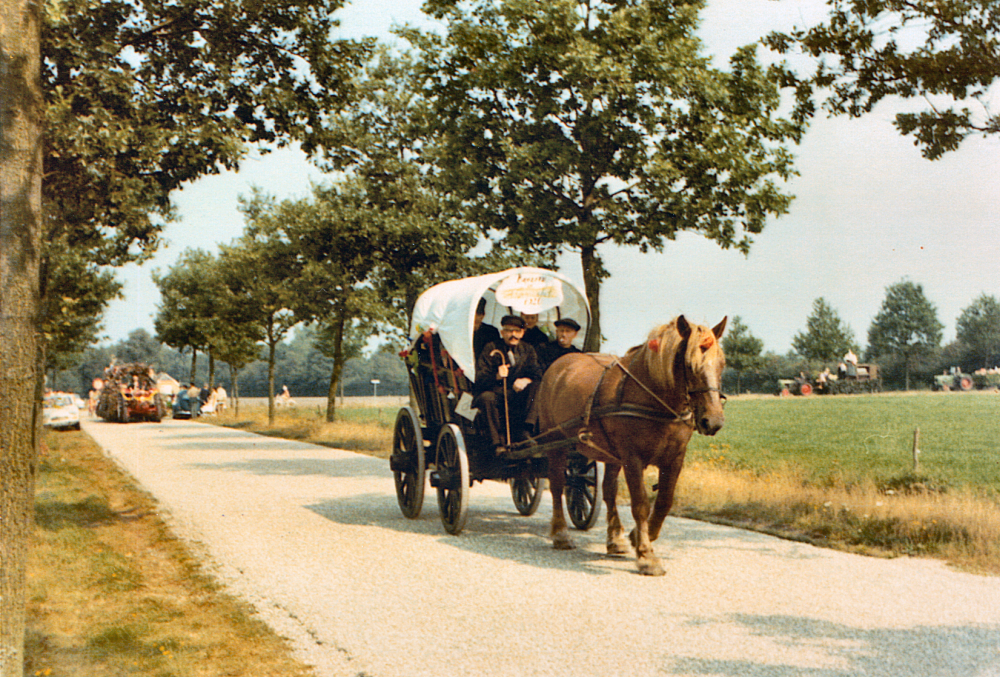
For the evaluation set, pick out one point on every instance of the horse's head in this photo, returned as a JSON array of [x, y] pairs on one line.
[[688, 360], [703, 365]]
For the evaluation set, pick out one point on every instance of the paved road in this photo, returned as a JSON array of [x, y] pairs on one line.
[[314, 539]]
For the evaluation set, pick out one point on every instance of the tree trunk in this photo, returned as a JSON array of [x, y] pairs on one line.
[[234, 386], [21, 361], [194, 366], [271, 345], [593, 273], [338, 368], [211, 370]]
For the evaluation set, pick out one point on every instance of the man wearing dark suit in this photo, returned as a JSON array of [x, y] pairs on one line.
[[482, 333], [510, 364], [566, 330]]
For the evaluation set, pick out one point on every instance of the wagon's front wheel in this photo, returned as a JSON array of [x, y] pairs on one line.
[[407, 463], [583, 486], [527, 494], [452, 480]]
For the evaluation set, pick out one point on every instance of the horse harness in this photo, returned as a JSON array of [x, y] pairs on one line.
[[619, 407]]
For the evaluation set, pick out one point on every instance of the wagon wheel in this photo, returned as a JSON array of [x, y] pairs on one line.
[[583, 481], [527, 494], [407, 463], [453, 478]]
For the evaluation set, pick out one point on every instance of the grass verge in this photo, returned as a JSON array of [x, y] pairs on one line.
[[833, 471], [112, 592]]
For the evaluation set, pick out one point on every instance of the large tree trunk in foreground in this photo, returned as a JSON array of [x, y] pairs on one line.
[[20, 363], [593, 273], [338, 368]]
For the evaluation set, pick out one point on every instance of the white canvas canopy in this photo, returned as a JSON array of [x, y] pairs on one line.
[[449, 308]]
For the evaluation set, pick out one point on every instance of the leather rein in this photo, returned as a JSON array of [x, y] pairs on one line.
[[622, 408]]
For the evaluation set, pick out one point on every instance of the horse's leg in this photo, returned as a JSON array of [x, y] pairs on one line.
[[669, 475], [617, 545], [647, 561], [557, 482]]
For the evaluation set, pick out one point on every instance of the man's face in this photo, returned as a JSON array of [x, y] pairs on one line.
[[565, 335], [511, 335], [529, 320]]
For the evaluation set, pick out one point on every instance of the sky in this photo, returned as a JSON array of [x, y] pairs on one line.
[[869, 212]]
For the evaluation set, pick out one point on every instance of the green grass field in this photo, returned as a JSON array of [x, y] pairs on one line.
[[848, 440]]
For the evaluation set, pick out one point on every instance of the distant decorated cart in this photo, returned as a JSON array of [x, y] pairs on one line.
[[438, 437], [128, 393]]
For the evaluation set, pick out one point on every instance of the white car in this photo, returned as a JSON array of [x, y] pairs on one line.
[[59, 410]]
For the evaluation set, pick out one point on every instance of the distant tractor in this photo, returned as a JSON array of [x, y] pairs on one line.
[[865, 379], [861, 380], [954, 379], [130, 394]]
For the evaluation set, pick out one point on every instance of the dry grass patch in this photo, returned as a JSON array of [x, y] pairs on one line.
[[112, 592], [364, 429], [910, 518]]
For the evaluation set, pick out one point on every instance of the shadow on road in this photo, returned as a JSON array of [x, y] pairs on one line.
[[929, 651], [500, 532], [360, 468]]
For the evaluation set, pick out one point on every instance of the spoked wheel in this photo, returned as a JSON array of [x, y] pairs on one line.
[[407, 463], [452, 478], [583, 486], [527, 494]]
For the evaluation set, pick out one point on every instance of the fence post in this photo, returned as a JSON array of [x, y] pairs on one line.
[[916, 451]]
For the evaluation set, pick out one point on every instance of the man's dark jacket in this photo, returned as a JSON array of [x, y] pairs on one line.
[[521, 359]]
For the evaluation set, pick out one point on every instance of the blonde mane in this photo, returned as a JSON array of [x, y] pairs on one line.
[[660, 350]]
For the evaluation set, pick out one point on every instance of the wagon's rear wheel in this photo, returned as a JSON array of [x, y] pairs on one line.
[[527, 494], [583, 486], [407, 463], [452, 478]]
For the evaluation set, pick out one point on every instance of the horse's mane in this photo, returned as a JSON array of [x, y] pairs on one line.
[[660, 351]]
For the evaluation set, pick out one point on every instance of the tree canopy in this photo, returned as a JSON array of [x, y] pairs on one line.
[[978, 329], [945, 52], [906, 326], [743, 349], [569, 124], [142, 98], [826, 336]]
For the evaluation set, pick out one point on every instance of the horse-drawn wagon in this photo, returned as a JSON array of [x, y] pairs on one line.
[[593, 410], [439, 436]]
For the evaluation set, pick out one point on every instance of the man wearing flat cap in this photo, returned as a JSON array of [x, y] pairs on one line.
[[513, 363], [482, 333], [566, 330]]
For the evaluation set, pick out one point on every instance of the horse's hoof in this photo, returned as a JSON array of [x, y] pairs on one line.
[[562, 542], [618, 547], [651, 567]]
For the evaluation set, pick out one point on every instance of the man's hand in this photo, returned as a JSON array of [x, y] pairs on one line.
[[521, 383], [502, 371]]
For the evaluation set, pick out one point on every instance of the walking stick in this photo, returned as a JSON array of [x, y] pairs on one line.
[[506, 404]]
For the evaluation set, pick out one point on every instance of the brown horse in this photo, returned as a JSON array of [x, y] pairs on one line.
[[633, 412]]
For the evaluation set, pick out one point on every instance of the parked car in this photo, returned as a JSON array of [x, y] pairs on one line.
[[59, 411]]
